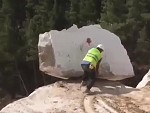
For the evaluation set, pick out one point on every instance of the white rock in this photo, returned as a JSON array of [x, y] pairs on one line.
[[60, 52], [69, 99], [144, 81]]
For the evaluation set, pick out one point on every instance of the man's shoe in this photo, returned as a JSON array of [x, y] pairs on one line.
[[87, 91]]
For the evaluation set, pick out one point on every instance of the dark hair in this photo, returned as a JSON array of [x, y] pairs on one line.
[[99, 49]]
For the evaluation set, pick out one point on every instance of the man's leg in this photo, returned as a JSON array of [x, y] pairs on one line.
[[84, 78], [91, 79], [85, 69]]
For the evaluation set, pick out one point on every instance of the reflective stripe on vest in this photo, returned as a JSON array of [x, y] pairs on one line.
[[93, 56]]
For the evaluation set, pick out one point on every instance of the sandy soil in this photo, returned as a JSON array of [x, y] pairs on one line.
[[62, 97]]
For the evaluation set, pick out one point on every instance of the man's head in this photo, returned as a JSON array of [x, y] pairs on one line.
[[100, 47]]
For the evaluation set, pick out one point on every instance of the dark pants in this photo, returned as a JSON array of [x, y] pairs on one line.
[[89, 75]]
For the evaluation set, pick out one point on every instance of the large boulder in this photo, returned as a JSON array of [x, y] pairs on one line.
[[60, 52], [145, 80]]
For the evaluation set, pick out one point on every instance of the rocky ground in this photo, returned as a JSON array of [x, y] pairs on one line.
[[66, 97]]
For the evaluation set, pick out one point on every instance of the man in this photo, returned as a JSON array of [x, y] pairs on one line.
[[90, 65]]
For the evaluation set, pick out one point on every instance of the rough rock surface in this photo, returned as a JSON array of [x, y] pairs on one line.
[[144, 81], [62, 97], [60, 52]]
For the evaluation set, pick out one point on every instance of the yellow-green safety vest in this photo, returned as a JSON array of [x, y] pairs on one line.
[[93, 56]]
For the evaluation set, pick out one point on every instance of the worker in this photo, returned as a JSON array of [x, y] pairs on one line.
[[90, 66]]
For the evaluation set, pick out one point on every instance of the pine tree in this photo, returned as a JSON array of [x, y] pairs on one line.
[[73, 13], [58, 18], [114, 11], [11, 42], [89, 12]]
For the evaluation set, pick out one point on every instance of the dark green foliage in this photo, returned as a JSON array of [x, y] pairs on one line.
[[89, 12], [130, 20], [73, 13], [22, 21]]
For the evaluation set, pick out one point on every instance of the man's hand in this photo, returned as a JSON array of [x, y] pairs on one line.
[[97, 67]]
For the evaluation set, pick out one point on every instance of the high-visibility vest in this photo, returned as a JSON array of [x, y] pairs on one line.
[[93, 56]]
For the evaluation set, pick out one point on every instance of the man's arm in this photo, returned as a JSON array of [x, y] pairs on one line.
[[97, 66]]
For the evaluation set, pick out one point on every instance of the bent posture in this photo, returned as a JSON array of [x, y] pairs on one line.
[[90, 65]]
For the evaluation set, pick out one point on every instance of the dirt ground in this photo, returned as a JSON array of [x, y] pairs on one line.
[[66, 97]]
